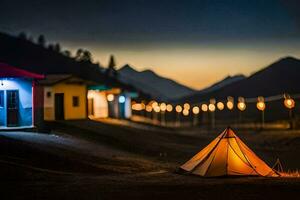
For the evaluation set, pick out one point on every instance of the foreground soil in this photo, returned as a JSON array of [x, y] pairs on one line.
[[92, 160]]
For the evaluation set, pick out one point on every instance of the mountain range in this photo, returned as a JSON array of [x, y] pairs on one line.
[[278, 78], [158, 87]]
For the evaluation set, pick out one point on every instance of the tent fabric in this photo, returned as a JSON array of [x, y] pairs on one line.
[[227, 155], [10, 71]]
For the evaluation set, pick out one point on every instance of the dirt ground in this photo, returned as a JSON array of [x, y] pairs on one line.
[[92, 160]]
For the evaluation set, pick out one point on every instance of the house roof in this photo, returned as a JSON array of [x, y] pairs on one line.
[[53, 79], [10, 71]]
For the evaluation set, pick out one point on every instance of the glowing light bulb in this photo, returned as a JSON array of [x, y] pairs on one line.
[[196, 110], [186, 106], [211, 107], [261, 105], [241, 106], [230, 105], [163, 107], [220, 105], [169, 108], [110, 97], [185, 112], [178, 108], [289, 103], [122, 99], [204, 107]]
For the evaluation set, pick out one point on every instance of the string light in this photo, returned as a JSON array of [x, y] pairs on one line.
[[186, 106], [149, 108], [220, 105], [204, 107], [241, 104], [154, 104], [196, 110], [289, 103], [211, 107], [169, 108], [178, 108], [157, 109], [163, 107], [230, 103], [185, 112]]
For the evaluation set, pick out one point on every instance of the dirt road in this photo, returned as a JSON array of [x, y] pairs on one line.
[[91, 160]]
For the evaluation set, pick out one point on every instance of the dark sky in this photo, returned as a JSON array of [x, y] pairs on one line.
[[166, 35]]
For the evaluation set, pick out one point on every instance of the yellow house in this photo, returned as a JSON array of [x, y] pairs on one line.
[[65, 97]]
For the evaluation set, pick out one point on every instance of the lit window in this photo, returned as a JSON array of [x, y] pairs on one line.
[[75, 101]]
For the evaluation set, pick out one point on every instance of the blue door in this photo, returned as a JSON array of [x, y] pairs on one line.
[[12, 99]]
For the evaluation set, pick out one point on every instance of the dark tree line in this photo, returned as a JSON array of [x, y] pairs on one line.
[[81, 55]]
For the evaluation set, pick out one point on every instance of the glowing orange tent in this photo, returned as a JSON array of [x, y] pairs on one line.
[[227, 155]]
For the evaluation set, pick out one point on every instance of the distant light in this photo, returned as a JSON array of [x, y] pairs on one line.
[[169, 108], [122, 99], [196, 110], [186, 106], [289, 103], [157, 109], [230, 105], [261, 105], [204, 107], [220, 105], [163, 107], [178, 108], [149, 108], [211, 107], [110, 97], [185, 112], [154, 104], [241, 106], [138, 106]]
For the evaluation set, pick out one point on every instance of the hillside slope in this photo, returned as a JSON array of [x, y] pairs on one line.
[[158, 87]]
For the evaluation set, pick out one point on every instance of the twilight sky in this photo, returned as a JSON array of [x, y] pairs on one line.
[[195, 42]]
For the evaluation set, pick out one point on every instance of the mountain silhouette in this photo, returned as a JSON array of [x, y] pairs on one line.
[[218, 85], [160, 88], [279, 77]]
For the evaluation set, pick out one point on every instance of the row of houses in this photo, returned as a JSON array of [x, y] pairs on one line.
[[27, 99]]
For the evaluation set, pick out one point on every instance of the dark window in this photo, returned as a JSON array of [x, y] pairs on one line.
[[1, 99], [75, 101], [48, 94]]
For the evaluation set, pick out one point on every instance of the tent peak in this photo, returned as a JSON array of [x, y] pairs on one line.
[[228, 133]]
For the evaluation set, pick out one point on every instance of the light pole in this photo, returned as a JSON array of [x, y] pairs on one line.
[[289, 103], [169, 109], [156, 111], [196, 111], [204, 108], [261, 106], [212, 108], [163, 108], [178, 110], [241, 106]]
